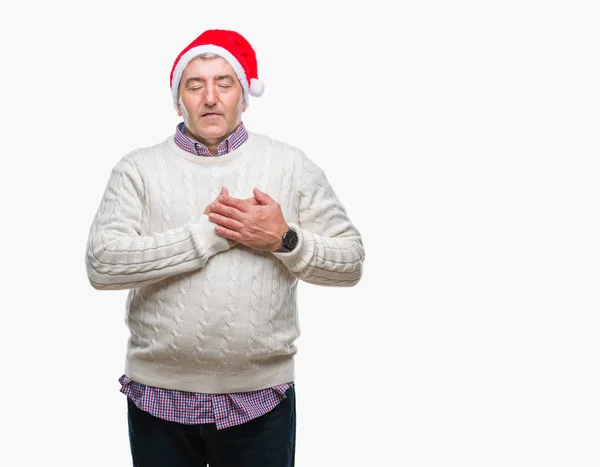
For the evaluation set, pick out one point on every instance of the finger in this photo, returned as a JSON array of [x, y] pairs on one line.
[[227, 233], [223, 191], [227, 222], [227, 211], [261, 197], [235, 203], [252, 201]]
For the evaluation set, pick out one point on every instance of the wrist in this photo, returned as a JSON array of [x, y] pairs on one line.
[[278, 242], [288, 241]]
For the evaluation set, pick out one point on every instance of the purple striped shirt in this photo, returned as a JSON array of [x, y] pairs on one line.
[[231, 143], [224, 410]]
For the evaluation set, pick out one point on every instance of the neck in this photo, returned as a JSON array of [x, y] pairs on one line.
[[211, 143]]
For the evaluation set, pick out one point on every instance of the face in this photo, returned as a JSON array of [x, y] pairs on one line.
[[211, 100]]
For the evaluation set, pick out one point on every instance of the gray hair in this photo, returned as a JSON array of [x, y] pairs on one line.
[[206, 55]]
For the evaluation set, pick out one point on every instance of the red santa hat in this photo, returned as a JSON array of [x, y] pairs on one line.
[[229, 45]]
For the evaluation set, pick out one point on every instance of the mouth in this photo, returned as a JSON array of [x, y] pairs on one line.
[[211, 114]]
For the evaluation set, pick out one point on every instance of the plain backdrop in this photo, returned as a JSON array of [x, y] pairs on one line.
[[463, 139]]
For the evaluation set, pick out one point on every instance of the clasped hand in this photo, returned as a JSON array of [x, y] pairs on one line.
[[256, 222]]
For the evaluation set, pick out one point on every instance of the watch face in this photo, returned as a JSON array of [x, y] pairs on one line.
[[290, 239]]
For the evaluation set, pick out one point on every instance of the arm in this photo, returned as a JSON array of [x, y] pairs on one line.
[[330, 249], [118, 256]]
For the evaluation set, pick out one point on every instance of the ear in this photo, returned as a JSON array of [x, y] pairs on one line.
[[244, 105], [179, 105]]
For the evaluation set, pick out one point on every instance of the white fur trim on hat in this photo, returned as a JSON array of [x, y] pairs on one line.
[[215, 49]]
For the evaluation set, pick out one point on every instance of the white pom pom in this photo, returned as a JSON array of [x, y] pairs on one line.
[[256, 87]]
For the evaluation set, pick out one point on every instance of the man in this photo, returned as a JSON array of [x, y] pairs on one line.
[[210, 231]]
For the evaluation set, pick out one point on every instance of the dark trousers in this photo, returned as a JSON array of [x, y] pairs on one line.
[[266, 441]]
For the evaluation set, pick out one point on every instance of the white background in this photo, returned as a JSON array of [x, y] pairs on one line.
[[462, 138]]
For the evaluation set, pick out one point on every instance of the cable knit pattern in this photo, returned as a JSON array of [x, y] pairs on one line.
[[205, 317]]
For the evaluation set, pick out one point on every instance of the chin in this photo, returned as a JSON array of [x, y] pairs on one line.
[[211, 131], [210, 134]]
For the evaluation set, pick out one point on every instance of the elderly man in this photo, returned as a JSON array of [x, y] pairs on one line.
[[210, 230]]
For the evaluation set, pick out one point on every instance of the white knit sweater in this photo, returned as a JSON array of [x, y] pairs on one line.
[[204, 317]]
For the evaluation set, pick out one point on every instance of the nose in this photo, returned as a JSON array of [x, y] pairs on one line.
[[210, 98]]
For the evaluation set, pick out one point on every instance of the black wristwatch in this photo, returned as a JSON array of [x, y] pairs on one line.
[[289, 240]]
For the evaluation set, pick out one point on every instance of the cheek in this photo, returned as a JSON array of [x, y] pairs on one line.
[[236, 103], [190, 101]]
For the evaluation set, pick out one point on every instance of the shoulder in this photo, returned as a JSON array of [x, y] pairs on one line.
[[285, 150], [141, 156], [281, 148], [311, 175], [309, 168]]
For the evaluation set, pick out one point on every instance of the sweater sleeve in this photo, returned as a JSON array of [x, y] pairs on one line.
[[120, 256], [330, 249]]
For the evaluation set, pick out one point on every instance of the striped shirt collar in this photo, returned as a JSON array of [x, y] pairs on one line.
[[231, 143]]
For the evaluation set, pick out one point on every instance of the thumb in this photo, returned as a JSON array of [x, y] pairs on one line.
[[224, 191], [261, 197]]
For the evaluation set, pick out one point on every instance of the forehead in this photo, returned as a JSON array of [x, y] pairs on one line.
[[207, 68]]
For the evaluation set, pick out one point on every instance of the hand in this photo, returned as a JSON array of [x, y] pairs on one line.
[[259, 226], [224, 191]]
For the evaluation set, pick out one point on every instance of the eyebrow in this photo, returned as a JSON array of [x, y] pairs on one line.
[[224, 77], [195, 79]]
